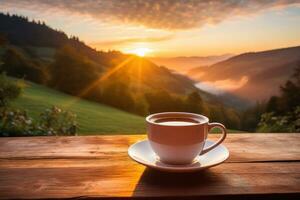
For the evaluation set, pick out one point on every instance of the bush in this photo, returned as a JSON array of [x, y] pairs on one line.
[[14, 122], [286, 123], [9, 90], [52, 121], [56, 121]]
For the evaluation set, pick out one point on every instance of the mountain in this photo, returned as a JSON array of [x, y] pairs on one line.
[[183, 64], [34, 51], [39, 42], [36, 40], [254, 76], [21, 32]]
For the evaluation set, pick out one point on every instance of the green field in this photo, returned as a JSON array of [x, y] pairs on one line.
[[93, 118]]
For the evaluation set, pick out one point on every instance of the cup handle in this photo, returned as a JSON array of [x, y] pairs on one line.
[[224, 132]]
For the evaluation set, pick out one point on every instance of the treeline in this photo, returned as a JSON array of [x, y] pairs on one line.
[[81, 77], [280, 113], [76, 74], [283, 111], [21, 31], [17, 65], [138, 86]]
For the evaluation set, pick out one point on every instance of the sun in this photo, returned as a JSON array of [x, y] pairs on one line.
[[142, 51]]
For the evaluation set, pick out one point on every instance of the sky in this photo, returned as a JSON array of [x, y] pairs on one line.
[[168, 28]]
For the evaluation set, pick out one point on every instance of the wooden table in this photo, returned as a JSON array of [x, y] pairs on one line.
[[260, 166]]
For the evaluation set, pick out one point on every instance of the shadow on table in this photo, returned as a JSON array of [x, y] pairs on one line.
[[157, 183], [162, 185]]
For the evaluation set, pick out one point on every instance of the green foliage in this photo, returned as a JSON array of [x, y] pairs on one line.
[[92, 118], [54, 121], [132, 84], [15, 123], [286, 123], [232, 118], [9, 90], [141, 106], [162, 101], [194, 103], [289, 98], [218, 113], [251, 117], [15, 64], [72, 72], [283, 112], [117, 94]]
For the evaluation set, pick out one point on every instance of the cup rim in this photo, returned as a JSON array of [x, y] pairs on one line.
[[149, 117]]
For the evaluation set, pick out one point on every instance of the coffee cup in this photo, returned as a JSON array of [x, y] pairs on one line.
[[179, 137]]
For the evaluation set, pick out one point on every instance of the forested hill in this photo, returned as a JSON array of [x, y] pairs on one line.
[[22, 32], [36, 52], [261, 73]]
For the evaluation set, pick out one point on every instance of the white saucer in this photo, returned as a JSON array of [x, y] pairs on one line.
[[142, 153]]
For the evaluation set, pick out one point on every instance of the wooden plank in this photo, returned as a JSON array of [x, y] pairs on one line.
[[242, 147], [98, 166], [136, 181]]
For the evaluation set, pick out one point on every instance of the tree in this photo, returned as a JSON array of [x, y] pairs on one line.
[[72, 72], [15, 64], [9, 90], [283, 111], [289, 122], [272, 104], [289, 97], [117, 94], [162, 101], [251, 117], [194, 103], [216, 114]]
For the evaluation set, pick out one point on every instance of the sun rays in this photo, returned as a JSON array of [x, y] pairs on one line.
[[101, 78], [138, 63]]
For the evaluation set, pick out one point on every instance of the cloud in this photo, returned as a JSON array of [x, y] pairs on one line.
[[161, 14], [229, 84], [132, 40], [219, 87]]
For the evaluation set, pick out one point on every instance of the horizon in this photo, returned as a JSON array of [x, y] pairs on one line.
[[245, 28]]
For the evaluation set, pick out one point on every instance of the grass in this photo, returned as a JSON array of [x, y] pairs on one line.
[[93, 118]]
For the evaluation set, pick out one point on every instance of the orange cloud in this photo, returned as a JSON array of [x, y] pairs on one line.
[[131, 40], [161, 14]]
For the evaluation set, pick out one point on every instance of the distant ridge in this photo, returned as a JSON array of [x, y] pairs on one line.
[[263, 72], [184, 63]]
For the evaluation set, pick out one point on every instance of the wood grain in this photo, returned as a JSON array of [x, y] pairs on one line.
[[260, 165], [243, 147]]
